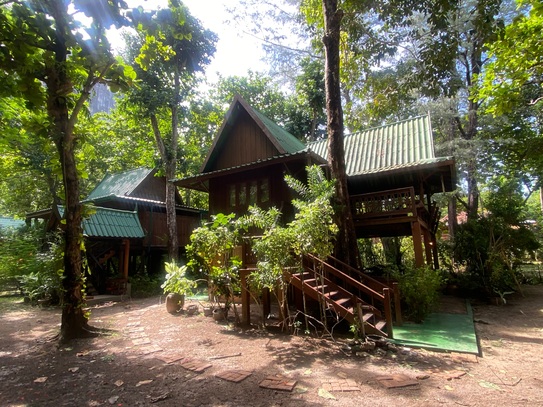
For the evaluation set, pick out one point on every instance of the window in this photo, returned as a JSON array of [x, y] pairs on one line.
[[244, 194]]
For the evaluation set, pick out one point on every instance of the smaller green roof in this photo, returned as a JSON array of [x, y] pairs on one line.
[[113, 223], [6, 223], [119, 184]]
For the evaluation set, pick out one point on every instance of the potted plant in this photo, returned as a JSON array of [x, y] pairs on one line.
[[177, 286]]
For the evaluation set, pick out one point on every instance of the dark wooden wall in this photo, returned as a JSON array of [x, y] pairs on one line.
[[244, 143], [155, 226]]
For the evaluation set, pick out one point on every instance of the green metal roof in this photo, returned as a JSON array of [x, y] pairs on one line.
[[119, 184], [114, 223], [10, 223], [398, 145], [287, 141]]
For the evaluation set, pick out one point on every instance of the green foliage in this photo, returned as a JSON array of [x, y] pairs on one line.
[[142, 285], [311, 232], [176, 281], [515, 61], [38, 272], [493, 246], [420, 290], [211, 255]]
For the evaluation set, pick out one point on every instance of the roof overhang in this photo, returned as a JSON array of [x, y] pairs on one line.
[[438, 174]]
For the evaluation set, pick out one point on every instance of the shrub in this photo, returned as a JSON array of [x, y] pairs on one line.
[[419, 288], [142, 285]]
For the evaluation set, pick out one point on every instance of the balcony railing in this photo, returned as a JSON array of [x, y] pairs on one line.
[[392, 203]]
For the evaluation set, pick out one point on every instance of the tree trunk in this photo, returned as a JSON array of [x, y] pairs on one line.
[[452, 217], [169, 158], [74, 323], [346, 247]]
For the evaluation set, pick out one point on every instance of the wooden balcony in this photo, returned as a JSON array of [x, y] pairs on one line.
[[397, 212], [392, 207]]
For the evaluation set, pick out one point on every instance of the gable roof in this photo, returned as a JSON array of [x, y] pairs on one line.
[[113, 223], [403, 144], [120, 184], [282, 140]]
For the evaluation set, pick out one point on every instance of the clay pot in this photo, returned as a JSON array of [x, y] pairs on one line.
[[174, 302], [220, 314]]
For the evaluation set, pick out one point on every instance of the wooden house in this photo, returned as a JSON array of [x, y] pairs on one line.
[[392, 173], [125, 227]]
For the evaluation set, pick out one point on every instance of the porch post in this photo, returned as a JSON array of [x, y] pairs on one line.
[[245, 298], [126, 257], [427, 246]]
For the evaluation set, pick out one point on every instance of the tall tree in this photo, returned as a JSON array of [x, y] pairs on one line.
[[346, 247], [173, 48], [53, 61]]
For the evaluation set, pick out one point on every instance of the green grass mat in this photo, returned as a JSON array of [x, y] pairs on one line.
[[440, 331]]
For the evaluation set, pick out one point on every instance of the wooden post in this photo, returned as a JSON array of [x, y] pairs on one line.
[[388, 311], [361, 322], [427, 246], [417, 243], [245, 298], [125, 258]]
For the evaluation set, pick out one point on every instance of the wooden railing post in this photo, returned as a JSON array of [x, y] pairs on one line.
[[397, 303], [388, 311]]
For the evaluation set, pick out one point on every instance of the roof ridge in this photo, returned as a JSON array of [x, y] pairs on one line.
[[389, 124]]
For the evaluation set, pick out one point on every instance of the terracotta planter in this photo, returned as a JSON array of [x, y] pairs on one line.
[[174, 302], [220, 314]]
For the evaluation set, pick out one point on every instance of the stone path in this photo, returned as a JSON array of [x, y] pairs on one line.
[[136, 333]]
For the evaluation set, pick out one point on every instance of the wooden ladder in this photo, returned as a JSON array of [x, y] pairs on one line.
[[342, 293]]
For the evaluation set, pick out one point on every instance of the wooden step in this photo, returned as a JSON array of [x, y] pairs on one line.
[[366, 317], [380, 325]]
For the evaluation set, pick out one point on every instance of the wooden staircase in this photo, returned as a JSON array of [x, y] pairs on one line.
[[356, 301]]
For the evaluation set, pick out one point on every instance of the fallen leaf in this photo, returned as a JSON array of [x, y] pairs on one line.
[[41, 379], [161, 397], [308, 372], [73, 369], [343, 375], [118, 383], [141, 383], [488, 385], [325, 394], [423, 377], [113, 400], [449, 388], [300, 389]]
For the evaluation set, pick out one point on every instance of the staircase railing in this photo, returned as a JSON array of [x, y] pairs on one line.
[[378, 300], [373, 283]]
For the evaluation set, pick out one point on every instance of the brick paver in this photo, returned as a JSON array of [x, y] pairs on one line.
[[340, 385], [235, 376], [396, 381], [194, 365], [278, 383]]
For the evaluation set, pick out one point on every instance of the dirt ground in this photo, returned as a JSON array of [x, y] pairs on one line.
[[150, 358]]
